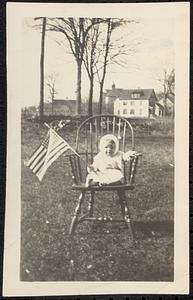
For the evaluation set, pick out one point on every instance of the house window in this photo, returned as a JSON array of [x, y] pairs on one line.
[[141, 102], [135, 95], [124, 102], [124, 111], [132, 103], [118, 112], [132, 111]]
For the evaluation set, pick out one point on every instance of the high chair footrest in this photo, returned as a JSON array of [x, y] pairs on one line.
[[104, 219], [109, 187]]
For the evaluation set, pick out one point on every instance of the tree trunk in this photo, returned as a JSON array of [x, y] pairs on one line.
[[109, 30], [78, 92], [90, 100], [52, 105], [101, 98], [165, 100], [165, 93], [42, 70]]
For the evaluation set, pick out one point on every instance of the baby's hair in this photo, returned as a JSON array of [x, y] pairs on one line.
[[109, 141]]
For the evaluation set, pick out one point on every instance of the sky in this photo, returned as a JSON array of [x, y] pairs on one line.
[[153, 42]]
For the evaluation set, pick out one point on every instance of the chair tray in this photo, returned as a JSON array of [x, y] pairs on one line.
[[82, 187]]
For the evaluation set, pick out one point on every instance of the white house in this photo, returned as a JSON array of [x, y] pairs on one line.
[[135, 103]]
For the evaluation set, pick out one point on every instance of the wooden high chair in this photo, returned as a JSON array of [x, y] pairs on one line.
[[88, 136]]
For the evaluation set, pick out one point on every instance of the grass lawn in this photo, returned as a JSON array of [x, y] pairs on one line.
[[98, 252]]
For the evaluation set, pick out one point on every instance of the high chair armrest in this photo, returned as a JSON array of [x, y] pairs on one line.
[[132, 168], [137, 155], [75, 168]]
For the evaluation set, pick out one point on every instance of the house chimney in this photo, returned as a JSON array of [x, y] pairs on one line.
[[113, 86]]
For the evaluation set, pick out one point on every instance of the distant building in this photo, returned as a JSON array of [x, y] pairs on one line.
[[159, 109], [109, 98], [60, 107], [132, 103], [169, 105]]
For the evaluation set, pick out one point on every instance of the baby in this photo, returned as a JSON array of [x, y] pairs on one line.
[[107, 167]]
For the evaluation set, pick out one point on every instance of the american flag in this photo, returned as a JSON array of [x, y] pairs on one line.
[[48, 151]]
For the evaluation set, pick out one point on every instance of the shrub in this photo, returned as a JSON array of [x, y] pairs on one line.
[[153, 126], [141, 126]]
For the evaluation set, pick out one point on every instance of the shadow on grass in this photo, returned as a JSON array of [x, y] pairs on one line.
[[154, 228], [120, 256], [105, 252], [143, 229]]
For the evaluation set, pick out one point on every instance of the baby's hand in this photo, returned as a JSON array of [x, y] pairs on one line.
[[90, 169], [132, 153], [129, 154]]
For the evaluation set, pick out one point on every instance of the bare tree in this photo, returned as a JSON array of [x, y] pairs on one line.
[[168, 87], [76, 32], [90, 59], [109, 53], [82, 35], [51, 84], [106, 52], [171, 83]]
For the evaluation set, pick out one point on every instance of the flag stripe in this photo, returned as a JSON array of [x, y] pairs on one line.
[[40, 163], [47, 165], [48, 151], [43, 144], [55, 156], [44, 163], [38, 159], [35, 155], [55, 151], [62, 150]]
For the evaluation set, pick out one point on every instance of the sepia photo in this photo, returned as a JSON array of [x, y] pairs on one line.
[[97, 152]]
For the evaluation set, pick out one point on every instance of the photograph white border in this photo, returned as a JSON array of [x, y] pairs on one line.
[[180, 12]]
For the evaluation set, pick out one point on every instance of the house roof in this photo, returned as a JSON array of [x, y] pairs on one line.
[[159, 105], [114, 93], [125, 94]]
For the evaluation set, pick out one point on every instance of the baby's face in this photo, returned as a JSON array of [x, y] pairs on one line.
[[110, 148]]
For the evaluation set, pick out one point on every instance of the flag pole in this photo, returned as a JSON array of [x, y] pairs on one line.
[[74, 151], [47, 125]]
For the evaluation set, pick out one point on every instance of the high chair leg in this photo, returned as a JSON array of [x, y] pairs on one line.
[[91, 204], [74, 222], [125, 212]]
